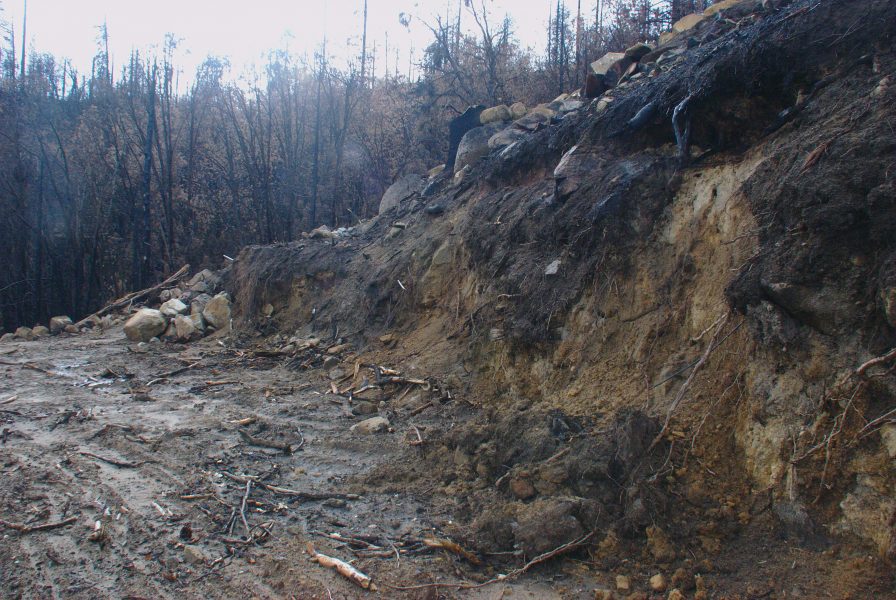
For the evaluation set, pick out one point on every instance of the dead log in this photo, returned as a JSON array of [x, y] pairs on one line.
[[134, 296], [341, 567]]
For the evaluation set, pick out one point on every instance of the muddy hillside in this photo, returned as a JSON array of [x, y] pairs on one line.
[[639, 342], [669, 313]]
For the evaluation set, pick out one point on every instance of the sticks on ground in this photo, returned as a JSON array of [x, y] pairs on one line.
[[288, 492], [124, 464], [254, 441], [22, 528], [341, 567]]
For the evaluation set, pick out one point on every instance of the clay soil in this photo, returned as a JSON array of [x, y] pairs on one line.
[[169, 516]]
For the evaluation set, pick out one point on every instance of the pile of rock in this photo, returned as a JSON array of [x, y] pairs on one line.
[[57, 325], [184, 315]]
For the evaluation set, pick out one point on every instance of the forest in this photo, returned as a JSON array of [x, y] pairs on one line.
[[111, 179]]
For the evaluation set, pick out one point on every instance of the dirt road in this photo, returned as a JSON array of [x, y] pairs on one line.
[[159, 495]]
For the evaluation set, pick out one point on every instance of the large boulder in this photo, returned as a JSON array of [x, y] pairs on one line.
[[145, 324], [474, 145], [505, 137], [605, 72], [25, 333], [40, 331], [217, 312], [535, 119], [58, 324], [457, 128], [495, 114], [518, 110], [174, 307], [199, 303], [401, 190], [186, 327]]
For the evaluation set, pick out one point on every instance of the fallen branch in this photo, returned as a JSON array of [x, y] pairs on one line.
[[10, 400], [254, 441], [165, 376], [22, 528], [133, 296], [419, 441], [876, 361], [515, 573], [288, 492], [453, 548], [341, 567], [112, 461]]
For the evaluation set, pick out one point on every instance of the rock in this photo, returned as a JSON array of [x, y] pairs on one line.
[[330, 362], [217, 312], [404, 188], [506, 137], [164, 296], [40, 331], [177, 293], [199, 303], [58, 324], [200, 287], [638, 51], [204, 275], [321, 233], [605, 72], [825, 309], [194, 555], [535, 119], [372, 425], [522, 488], [186, 328], [659, 545], [553, 268], [7, 337], [71, 329], [435, 171], [474, 145], [687, 23], [24, 333], [676, 595], [267, 311], [518, 110], [174, 307], [571, 105], [623, 583], [170, 334], [364, 408], [336, 374], [144, 325], [658, 583], [434, 210], [495, 114], [603, 595], [457, 129], [719, 7]]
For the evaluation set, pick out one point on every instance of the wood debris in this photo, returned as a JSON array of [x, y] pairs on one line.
[[341, 567], [255, 441], [452, 547]]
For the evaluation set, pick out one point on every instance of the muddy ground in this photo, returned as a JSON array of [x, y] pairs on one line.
[[169, 516]]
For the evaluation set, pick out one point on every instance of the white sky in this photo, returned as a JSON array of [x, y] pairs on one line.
[[245, 31]]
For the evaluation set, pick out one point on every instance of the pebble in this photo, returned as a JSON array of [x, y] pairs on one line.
[[623, 583], [658, 583]]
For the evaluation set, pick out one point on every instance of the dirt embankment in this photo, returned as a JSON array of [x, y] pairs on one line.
[[657, 349]]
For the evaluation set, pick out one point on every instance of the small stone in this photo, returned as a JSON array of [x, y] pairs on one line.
[[200, 287], [164, 296], [659, 545], [7, 337], [58, 324], [553, 268], [40, 331], [603, 595], [434, 209], [623, 583], [170, 334], [683, 579], [194, 555], [176, 292], [173, 307], [522, 488], [24, 333], [676, 595], [330, 362], [658, 583], [372, 425], [364, 408], [268, 310], [336, 374]]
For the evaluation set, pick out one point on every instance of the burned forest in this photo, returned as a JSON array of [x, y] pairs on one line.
[[615, 320]]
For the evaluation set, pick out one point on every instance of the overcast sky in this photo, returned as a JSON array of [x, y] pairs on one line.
[[245, 30]]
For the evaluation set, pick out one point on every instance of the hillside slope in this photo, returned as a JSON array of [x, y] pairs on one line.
[[669, 348]]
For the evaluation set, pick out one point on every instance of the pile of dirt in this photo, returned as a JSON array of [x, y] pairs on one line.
[[663, 343]]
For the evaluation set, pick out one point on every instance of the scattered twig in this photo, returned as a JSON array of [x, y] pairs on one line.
[[453, 548], [112, 461], [288, 492], [341, 567], [243, 506], [876, 361], [254, 441], [419, 441], [165, 376], [515, 573], [21, 528], [10, 400]]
